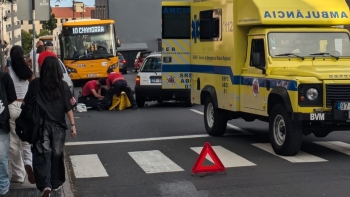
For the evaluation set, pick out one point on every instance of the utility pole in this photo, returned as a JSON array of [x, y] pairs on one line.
[[34, 44], [73, 8]]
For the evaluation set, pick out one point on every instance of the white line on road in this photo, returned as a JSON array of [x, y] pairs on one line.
[[135, 140], [87, 166], [228, 124], [337, 146], [154, 161], [301, 157], [228, 158], [144, 139]]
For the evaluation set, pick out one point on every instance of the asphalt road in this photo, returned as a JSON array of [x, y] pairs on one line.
[[151, 152]]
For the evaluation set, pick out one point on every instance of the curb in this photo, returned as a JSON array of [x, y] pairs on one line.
[[66, 187]]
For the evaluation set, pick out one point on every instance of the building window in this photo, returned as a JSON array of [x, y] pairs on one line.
[[21, 22], [30, 22]]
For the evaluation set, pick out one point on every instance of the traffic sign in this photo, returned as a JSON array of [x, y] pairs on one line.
[[25, 10]]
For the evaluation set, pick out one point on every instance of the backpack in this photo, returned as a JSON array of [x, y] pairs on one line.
[[32, 118], [4, 110]]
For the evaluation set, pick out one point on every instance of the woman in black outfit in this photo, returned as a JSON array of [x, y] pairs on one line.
[[56, 99]]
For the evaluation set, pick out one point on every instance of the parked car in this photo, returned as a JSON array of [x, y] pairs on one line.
[[140, 57], [123, 67], [149, 84], [66, 77]]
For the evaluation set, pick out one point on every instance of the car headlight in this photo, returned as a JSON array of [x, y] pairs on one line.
[[312, 94], [114, 66]]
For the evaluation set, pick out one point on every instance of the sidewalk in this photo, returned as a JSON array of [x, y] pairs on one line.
[[27, 189]]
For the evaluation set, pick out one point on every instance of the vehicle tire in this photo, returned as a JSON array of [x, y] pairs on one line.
[[215, 119], [286, 138], [188, 102], [140, 101], [159, 101], [124, 72]]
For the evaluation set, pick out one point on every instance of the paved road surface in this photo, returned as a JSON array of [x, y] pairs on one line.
[[151, 151]]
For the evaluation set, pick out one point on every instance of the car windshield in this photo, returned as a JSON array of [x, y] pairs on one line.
[[120, 57], [309, 44], [91, 42], [152, 64]]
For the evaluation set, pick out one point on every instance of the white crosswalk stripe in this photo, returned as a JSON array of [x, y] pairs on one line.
[[154, 162], [87, 166], [228, 158], [301, 157], [336, 145]]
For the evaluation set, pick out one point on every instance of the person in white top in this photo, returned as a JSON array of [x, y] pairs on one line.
[[20, 152], [34, 51]]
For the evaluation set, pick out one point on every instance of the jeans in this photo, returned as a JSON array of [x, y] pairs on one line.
[[4, 159], [20, 153], [48, 161]]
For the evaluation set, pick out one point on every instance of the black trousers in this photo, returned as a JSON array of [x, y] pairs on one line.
[[48, 161], [116, 89], [91, 100]]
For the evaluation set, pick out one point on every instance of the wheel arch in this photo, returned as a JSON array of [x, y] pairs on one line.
[[209, 90], [279, 95]]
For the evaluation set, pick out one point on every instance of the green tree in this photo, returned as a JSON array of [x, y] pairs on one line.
[[26, 41], [44, 32], [51, 24]]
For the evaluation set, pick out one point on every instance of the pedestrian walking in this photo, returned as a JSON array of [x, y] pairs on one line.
[[7, 96], [20, 153], [57, 101]]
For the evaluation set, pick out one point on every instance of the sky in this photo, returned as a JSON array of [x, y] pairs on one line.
[[68, 3]]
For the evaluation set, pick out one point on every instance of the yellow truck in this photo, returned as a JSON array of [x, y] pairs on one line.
[[283, 62]]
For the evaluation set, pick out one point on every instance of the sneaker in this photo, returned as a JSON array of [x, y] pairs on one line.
[[46, 192], [30, 172]]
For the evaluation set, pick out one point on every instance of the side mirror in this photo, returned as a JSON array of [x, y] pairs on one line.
[[118, 42], [256, 59]]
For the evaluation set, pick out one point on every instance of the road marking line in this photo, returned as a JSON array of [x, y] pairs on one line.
[[87, 166], [337, 146], [301, 157], [228, 124], [154, 161], [228, 158], [144, 139], [196, 111], [135, 140]]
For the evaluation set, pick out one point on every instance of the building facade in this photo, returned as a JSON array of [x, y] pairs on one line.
[[101, 9], [138, 26], [10, 25], [62, 14]]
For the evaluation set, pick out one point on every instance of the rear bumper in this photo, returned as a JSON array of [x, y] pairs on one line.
[[156, 92]]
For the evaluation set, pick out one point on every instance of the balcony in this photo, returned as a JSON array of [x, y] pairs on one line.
[[16, 26], [11, 14], [16, 39]]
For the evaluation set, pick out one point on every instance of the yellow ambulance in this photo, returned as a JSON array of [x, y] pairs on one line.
[[283, 62]]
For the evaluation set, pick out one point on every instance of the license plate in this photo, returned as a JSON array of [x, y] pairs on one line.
[[156, 80], [92, 75], [344, 106]]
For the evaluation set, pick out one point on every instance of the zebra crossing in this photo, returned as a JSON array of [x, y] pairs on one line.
[[156, 161]]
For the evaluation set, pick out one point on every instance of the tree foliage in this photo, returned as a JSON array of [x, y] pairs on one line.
[[27, 39], [44, 32], [51, 24]]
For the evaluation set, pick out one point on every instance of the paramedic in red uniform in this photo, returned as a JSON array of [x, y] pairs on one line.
[[115, 85], [93, 92]]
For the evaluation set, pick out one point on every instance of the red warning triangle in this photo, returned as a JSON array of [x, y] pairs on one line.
[[217, 167]]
